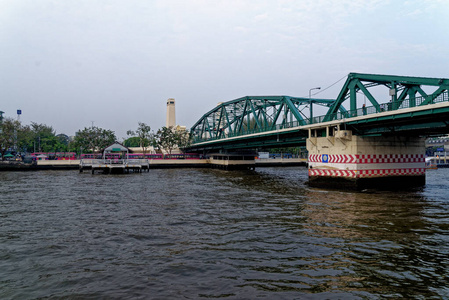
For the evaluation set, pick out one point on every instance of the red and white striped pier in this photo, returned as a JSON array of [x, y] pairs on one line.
[[366, 162]]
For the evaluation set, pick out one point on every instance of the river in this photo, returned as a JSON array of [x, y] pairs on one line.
[[204, 233]]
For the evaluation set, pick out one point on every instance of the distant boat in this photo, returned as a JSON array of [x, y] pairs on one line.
[[431, 163]]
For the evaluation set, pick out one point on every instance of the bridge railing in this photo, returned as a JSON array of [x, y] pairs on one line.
[[368, 110]]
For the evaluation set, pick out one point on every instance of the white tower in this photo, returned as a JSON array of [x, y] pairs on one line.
[[171, 117]]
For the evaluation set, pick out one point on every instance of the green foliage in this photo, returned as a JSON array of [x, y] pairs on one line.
[[25, 139], [9, 129], [166, 139], [299, 151], [184, 139], [42, 130], [93, 139], [169, 139], [132, 142], [63, 143], [144, 135], [42, 138]]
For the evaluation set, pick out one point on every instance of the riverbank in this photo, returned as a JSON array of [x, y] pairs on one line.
[[17, 166], [153, 164], [39, 165]]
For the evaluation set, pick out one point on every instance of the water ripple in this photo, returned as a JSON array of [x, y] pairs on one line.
[[189, 234]]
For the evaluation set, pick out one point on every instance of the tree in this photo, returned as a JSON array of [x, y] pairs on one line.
[[62, 142], [143, 133], [132, 142], [167, 139], [9, 129], [32, 138], [184, 139], [25, 139], [38, 137], [94, 139], [44, 137], [63, 139]]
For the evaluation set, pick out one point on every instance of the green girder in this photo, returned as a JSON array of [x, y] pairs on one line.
[[256, 114], [409, 86]]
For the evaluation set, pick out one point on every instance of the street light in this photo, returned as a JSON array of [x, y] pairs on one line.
[[310, 101]]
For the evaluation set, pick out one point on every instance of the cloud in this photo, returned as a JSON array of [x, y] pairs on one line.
[[261, 17], [124, 59]]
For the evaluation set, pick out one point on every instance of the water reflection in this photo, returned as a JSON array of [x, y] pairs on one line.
[[376, 243], [211, 233]]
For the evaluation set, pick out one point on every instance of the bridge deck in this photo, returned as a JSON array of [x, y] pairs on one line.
[[408, 104], [406, 119]]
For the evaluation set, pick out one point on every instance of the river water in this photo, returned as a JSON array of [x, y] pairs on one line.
[[203, 233]]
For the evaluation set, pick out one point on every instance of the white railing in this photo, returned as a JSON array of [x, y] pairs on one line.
[[90, 162]]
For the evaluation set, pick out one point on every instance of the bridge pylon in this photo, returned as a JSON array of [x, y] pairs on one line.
[[339, 159]]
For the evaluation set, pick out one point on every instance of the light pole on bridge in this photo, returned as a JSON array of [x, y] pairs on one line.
[[310, 102]]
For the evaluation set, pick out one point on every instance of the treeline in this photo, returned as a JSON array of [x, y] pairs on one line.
[[18, 138]]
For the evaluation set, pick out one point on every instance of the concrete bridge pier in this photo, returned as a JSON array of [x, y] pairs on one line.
[[339, 159]]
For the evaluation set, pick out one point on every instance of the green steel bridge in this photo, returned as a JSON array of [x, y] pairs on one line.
[[367, 104]]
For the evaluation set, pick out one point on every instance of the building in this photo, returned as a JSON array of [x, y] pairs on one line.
[[171, 115]]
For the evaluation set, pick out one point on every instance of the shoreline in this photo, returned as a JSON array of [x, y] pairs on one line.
[[42, 165]]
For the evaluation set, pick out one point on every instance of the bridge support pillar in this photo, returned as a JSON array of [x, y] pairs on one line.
[[348, 161]]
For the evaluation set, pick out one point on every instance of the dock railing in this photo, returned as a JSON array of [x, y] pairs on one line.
[[90, 162]]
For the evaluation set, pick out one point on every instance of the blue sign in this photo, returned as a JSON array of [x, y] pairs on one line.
[[19, 111], [325, 158]]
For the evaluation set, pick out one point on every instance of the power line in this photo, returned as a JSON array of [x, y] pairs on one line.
[[322, 90]]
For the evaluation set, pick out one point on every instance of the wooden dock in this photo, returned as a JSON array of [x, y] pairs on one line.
[[114, 166]]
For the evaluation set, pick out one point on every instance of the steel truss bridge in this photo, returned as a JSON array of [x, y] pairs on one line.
[[406, 106]]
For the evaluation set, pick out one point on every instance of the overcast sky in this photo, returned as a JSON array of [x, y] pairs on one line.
[[116, 62]]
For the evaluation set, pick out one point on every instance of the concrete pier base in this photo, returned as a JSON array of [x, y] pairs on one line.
[[379, 183], [345, 161]]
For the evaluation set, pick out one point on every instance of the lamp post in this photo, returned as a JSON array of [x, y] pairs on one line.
[[310, 101]]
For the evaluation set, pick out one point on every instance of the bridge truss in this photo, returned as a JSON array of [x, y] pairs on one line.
[[404, 92], [253, 114]]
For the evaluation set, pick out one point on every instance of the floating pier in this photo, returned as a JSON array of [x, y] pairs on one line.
[[114, 166], [233, 161]]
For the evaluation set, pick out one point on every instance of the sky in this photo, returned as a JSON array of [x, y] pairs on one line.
[[114, 63]]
